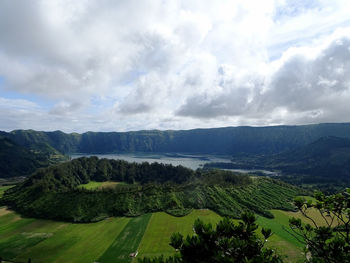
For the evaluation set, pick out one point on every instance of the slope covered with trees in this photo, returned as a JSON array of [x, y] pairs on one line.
[[16, 160], [54, 192], [229, 140]]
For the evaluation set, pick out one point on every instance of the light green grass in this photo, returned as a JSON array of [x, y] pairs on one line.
[[157, 236], [52, 241], [92, 185], [127, 241], [3, 189], [284, 242], [77, 243]]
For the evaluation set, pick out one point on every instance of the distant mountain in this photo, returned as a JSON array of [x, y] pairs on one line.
[[327, 157], [229, 140], [16, 160]]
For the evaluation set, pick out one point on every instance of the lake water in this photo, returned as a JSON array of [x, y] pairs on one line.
[[186, 160]]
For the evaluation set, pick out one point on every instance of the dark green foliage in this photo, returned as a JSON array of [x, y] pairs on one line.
[[323, 162], [17, 161], [230, 140], [229, 242], [54, 193], [330, 242]]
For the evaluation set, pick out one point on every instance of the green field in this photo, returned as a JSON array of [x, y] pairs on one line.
[[92, 185], [113, 239], [127, 241], [157, 236], [4, 188]]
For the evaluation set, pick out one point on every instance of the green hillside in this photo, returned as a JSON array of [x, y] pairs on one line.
[[325, 160], [16, 160], [55, 192], [229, 140]]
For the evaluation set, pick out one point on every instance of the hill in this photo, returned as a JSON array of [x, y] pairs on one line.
[[55, 192], [324, 160], [16, 160], [327, 157], [229, 140]]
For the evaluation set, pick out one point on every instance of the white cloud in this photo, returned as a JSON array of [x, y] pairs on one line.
[[120, 65]]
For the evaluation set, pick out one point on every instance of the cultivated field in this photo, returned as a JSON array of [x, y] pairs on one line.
[[113, 239]]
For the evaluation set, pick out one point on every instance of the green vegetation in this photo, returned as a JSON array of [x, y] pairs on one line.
[[18, 161], [227, 242], [127, 241], [54, 192], [328, 242], [281, 240], [230, 140], [3, 189], [155, 241], [323, 164], [52, 241], [92, 185]]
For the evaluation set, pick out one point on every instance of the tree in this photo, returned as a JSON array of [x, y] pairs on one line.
[[229, 242], [327, 240]]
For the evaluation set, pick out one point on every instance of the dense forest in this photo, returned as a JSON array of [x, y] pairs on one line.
[[229, 140], [54, 192]]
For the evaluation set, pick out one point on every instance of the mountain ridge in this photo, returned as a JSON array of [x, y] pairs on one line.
[[225, 140]]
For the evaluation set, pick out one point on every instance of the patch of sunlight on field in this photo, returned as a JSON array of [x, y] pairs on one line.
[[157, 236], [3, 189], [98, 185]]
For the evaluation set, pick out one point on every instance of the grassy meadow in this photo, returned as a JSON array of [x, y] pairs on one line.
[[157, 235], [113, 239], [4, 188], [92, 185]]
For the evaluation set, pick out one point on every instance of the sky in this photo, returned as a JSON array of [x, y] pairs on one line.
[[121, 65]]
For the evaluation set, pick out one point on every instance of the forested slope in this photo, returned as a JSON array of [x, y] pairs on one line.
[[16, 160]]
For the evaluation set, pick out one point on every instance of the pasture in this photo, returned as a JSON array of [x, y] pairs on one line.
[[157, 236], [92, 185], [113, 239], [4, 188]]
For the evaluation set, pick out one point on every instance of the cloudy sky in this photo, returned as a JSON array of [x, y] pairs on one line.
[[118, 65]]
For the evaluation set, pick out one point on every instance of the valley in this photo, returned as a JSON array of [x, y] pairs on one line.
[[103, 207]]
